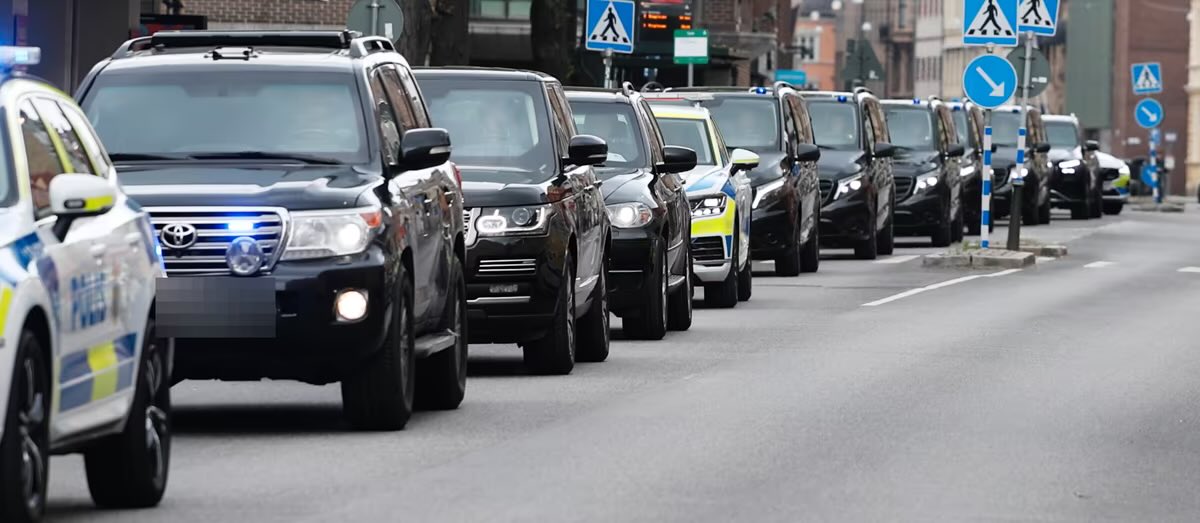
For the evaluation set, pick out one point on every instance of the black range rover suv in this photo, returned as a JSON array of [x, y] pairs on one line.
[[928, 172], [649, 284], [310, 220], [774, 123], [857, 184], [537, 229]]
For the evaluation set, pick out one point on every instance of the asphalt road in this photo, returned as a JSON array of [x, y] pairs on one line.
[[1069, 391]]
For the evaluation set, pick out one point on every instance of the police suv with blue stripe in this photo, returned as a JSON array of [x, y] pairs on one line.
[[81, 366]]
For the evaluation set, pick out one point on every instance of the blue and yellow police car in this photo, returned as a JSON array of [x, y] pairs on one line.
[[81, 369]]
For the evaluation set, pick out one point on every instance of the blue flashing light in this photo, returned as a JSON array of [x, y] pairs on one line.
[[841, 98], [240, 226], [760, 90], [916, 101], [11, 56]]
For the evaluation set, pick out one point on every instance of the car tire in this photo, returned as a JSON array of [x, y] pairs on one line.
[[789, 263], [887, 240], [1044, 213], [868, 248], [810, 255], [679, 308], [442, 377], [1081, 210], [129, 469], [745, 281], [1113, 208], [554, 353], [943, 231], [594, 334], [379, 395], [1097, 210], [724, 295], [25, 447], [650, 323]]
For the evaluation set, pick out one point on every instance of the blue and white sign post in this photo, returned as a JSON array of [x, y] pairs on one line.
[[989, 80], [1147, 79], [609, 30]]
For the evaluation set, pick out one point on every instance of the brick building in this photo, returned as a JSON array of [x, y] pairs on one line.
[[892, 25]]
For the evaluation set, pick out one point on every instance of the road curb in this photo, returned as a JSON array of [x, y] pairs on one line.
[[981, 259], [1051, 251]]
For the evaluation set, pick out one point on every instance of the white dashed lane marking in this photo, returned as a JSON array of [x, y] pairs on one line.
[[1099, 265], [919, 290], [899, 259], [1190, 269]]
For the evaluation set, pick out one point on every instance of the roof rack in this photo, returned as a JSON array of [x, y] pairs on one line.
[[628, 89], [781, 84], [651, 87], [326, 39], [862, 89]]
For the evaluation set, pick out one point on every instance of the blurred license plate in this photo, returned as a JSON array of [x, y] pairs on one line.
[[211, 307]]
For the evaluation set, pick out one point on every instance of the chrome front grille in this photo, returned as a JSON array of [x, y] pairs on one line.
[[215, 229], [826, 189], [511, 267]]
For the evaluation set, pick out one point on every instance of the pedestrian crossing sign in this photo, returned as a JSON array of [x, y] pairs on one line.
[[1038, 16], [990, 22], [1147, 78], [609, 24]]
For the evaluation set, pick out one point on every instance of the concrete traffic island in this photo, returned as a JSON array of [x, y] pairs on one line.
[[963, 257]]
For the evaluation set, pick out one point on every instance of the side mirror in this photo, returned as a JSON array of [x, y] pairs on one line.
[[743, 160], [956, 151], [424, 148], [884, 150], [676, 160], [1092, 145], [74, 196], [586, 149], [1041, 148], [807, 152]]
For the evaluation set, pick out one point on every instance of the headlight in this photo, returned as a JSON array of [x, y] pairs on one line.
[[1069, 164], [767, 189], [848, 185], [513, 221], [1015, 175], [321, 234], [927, 181], [626, 215], [967, 171], [711, 206]]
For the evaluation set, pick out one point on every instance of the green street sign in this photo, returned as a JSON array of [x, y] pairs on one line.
[[691, 46]]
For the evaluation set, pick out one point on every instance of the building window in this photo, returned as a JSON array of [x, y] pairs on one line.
[[500, 9], [808, 46]]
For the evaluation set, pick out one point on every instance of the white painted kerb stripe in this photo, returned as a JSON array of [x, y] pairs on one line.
[[1190, 269], [899, 259], [919, 290], [1099, 265]]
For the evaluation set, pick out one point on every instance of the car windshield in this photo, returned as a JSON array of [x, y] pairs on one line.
[[836, 124], [962, 127], [616, 123], [910, 127], [1005, 126], [746, 122], [1062, 135], [690, 133], [500, 128], [185, 113]]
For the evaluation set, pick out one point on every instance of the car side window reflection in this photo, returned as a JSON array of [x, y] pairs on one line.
[[389, 127], [41, 157]]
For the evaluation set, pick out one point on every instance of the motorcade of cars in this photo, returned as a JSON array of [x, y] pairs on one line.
[[1077, 184], [538, 232], [1037, 168], [310, 218], [928, 171], [720, 197], [83, 368], [774, 123], [649, 279]]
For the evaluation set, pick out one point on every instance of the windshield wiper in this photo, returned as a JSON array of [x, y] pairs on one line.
[[141, 157], [263, 155]]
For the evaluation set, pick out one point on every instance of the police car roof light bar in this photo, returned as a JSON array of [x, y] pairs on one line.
[[15, 56], [627, 88]]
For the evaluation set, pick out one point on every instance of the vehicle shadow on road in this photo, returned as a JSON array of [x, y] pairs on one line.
[[497, 366], [265, 419]]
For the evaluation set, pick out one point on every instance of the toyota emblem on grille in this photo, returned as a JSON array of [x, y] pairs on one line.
[[178, 236]]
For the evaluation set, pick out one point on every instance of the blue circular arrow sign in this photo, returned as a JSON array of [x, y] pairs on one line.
[[989, 81], [1149, 113]]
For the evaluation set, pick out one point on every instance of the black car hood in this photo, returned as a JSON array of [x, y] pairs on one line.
[[627, 185], [770, 167], [912, 163], [294, 187], [835, 164]]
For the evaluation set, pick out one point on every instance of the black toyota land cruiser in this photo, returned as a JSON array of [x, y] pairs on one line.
[[537, 229], [773, 122], [649, 284], [1077, 182], [310, 220], [857, 184], [928, 173]]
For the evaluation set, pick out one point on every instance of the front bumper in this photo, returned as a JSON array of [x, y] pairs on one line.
[[1069, 187], [920, 213], [227, 335], [630, 260], [772, 230], [513, 287], [846, 219]]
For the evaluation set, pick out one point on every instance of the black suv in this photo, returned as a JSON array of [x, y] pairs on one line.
[[1077, 183], [774, 123], [1006, 121], [310, 219], [649, 284], [928, 171], [857, 183], [968, 122], [537, 229]]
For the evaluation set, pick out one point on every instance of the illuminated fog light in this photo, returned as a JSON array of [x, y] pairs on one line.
[[502, 288], [240, 226], [351, 305]]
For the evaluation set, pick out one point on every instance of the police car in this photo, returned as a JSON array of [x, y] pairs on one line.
[[81, 369]]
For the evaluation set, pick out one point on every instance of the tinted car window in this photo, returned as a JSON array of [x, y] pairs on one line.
[[839, 124], [617, 125], [961, 127], [499, 127], [1004, 128], [290, 112], [911, 128], [747, 123], [1062, 135], [688, 133]]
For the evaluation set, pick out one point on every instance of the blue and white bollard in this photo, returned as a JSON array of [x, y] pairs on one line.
[[1153, 160], [985, 206]]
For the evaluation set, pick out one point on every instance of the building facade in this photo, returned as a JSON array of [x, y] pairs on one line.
[[889, 26], [1192, 182], [815, 44], [929, 38]]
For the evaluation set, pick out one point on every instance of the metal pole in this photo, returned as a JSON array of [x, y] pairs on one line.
[[374, 7], [985, 206], [608, 62], [1014, 220], [691, 74]]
